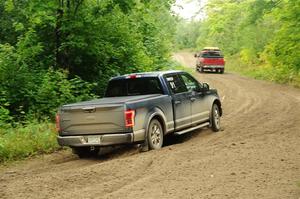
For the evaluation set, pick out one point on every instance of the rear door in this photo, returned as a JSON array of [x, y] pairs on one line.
[[199, 101], [181, 101]]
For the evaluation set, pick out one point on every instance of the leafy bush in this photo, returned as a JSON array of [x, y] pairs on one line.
[[281, 74], [59, 52], [248, 56], [265, 34], [55, 90], [24, 141], [5, 118], [52, 53]]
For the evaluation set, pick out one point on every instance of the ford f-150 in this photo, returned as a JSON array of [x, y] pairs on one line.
[[139, 108]]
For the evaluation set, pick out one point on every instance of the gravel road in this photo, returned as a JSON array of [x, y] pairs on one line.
[[256, 155]]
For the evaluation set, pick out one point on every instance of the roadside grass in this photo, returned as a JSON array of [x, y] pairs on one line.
[[25, 141], [282, 75]]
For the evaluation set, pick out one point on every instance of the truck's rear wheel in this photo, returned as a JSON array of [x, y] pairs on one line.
[[155, 135], [215, 118], [201, 70], [85, 152]]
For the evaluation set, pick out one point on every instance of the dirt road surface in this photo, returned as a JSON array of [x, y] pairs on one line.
[[257, 155]]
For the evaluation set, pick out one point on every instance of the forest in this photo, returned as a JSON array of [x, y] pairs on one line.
[[61, 51], [260, 38]]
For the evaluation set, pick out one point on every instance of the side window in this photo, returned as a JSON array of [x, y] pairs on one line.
[[190, 83], [176, 84]]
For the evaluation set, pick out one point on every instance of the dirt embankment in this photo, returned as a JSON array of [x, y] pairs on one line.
[[257, 155]]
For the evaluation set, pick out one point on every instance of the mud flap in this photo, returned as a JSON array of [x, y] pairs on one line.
[[144, 147]]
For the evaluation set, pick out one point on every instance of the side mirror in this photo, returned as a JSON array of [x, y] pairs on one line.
[[205, 86], [195, 55]]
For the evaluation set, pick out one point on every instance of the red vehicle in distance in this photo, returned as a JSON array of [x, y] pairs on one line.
[[210, 59]]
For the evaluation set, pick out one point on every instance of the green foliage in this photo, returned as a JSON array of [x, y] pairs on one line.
[[280, 74], [5, 118], [56, 52], [284, 48], [61, 51], [31, 93], [54, 90], [263, 35], [248, 56], [186, 34], [21, 142]]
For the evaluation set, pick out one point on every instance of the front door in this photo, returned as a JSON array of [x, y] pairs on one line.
[[199, 108], [181, 102]]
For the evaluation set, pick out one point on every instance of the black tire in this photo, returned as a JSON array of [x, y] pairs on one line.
[[222, 71], [85, 152], [201, 70], [155, 135], [215, 118]]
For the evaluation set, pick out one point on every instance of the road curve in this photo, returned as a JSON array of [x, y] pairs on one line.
[[256, 155]]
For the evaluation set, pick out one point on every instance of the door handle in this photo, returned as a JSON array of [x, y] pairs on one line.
[[177, 102], [192, 99]]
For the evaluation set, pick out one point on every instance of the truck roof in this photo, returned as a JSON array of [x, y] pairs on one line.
[[145, 74]]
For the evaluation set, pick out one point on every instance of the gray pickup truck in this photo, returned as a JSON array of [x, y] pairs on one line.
[[139, 108]]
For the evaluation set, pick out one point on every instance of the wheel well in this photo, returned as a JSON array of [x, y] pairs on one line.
[[218, 103], [161, 121]]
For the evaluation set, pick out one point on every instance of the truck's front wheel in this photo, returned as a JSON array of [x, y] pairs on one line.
[[215, 118], [155, 135]]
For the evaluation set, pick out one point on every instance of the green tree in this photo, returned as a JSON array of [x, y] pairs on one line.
[[47, 46], [257, 32], [187, 33]]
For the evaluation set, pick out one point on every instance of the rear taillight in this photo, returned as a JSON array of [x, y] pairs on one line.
[[129, 118], [57, 119]]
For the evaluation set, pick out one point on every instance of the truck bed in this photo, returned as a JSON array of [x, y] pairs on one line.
[[100, 116]]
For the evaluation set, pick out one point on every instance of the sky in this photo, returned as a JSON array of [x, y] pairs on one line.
[[189, 9]]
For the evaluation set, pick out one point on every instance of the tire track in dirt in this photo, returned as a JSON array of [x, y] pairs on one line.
[[257, 155]]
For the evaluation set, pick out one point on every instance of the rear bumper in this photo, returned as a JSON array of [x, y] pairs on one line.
[[95, 140], [212, 67]]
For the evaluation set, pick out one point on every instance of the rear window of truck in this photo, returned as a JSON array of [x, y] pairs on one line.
[[211, 54], [132, 87]]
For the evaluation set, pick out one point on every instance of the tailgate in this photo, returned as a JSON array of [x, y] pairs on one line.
[[93, 119], [213, 61]]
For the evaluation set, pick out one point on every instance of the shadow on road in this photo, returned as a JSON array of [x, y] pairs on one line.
[[179, 139], [108, 153], [212, 73]]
